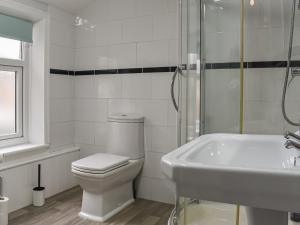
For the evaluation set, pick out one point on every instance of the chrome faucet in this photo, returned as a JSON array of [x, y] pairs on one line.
[[292, 140]]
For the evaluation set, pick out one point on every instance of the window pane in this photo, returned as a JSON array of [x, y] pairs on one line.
[[7, 103], [10, 49]]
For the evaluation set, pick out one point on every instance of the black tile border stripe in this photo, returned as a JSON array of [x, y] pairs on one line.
[[60, 72], [84, 72], [115, 71], [102, 72], [130, 70], [156, 69], [222, 65]]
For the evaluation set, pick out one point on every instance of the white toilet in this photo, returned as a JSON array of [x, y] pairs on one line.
[[106, 178]]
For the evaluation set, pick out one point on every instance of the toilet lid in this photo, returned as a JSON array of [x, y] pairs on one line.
[[100, 163]]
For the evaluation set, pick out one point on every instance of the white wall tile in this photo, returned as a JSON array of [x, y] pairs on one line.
[[160, 83], [153, 7], [120, 106], [138, 29], [86, 58], [61, 33], [264, 14], [165, 26], [109, 86], [61, 86], [153, 53], [151, 166], [61, 110], [85, 37], [216, 51], [85, 110], [84, 132], [155, 111], [101, 134], [87, 150], [101, 106], [85, 86], [223, 83], [148, 138], [263, 117], [60, 15], [103, 60], [173, 52], [122, 56], [61, 133], [263, 84], [264, 44], [163, 191], [160, 190], [61, 57], [121, 9], [163, 139], [144, 188], [136, 86], [109, 33], [95, 12], [172, 114]]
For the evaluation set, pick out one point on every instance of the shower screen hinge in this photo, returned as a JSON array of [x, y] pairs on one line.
[[295, 71]]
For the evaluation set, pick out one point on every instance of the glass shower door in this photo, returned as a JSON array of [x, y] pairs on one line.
[[192, 62], [209, 88]]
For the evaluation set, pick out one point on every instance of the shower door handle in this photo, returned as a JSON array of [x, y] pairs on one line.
[[177, 71]]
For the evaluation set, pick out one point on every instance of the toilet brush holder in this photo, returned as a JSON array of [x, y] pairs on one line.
[[4, 210], [38, 192], [38, 196]]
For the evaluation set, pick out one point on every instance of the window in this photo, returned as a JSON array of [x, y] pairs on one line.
[[10, 49], [11, 89]]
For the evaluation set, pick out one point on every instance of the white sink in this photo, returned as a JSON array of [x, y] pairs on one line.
[[251, 170]]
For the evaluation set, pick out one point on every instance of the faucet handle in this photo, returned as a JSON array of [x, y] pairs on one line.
[[291, 144], [290, 134]]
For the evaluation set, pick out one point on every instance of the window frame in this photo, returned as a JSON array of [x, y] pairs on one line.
[[21, 68]]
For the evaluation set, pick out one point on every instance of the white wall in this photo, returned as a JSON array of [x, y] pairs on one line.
[[61, 86], [125, 34], [128, 34]]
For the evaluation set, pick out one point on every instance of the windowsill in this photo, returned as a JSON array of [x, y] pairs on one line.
[[20, 151], [28, 153]]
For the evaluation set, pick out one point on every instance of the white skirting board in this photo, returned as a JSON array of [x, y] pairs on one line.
[[56, 177]]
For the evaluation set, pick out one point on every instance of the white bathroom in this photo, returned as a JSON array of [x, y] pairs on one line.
[[149, 112]]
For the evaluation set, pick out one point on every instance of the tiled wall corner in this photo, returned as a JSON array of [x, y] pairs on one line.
[[61, 87]]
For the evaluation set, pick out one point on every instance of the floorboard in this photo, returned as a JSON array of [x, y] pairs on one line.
[[63, 209]]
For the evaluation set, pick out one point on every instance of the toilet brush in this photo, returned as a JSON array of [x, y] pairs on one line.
[[39, 192]]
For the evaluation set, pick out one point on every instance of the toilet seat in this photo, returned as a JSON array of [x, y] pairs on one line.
[[100, 163]]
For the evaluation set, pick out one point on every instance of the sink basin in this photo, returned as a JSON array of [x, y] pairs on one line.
[[251, 170]]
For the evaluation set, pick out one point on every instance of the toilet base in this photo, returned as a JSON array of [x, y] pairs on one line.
[[100, 207]]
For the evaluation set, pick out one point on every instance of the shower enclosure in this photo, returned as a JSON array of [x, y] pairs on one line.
[[233, 56]]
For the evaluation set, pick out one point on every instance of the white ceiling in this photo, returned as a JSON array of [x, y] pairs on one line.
[[71, 6]]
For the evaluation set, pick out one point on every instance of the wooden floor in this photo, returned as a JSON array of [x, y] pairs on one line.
[[63, 210]]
